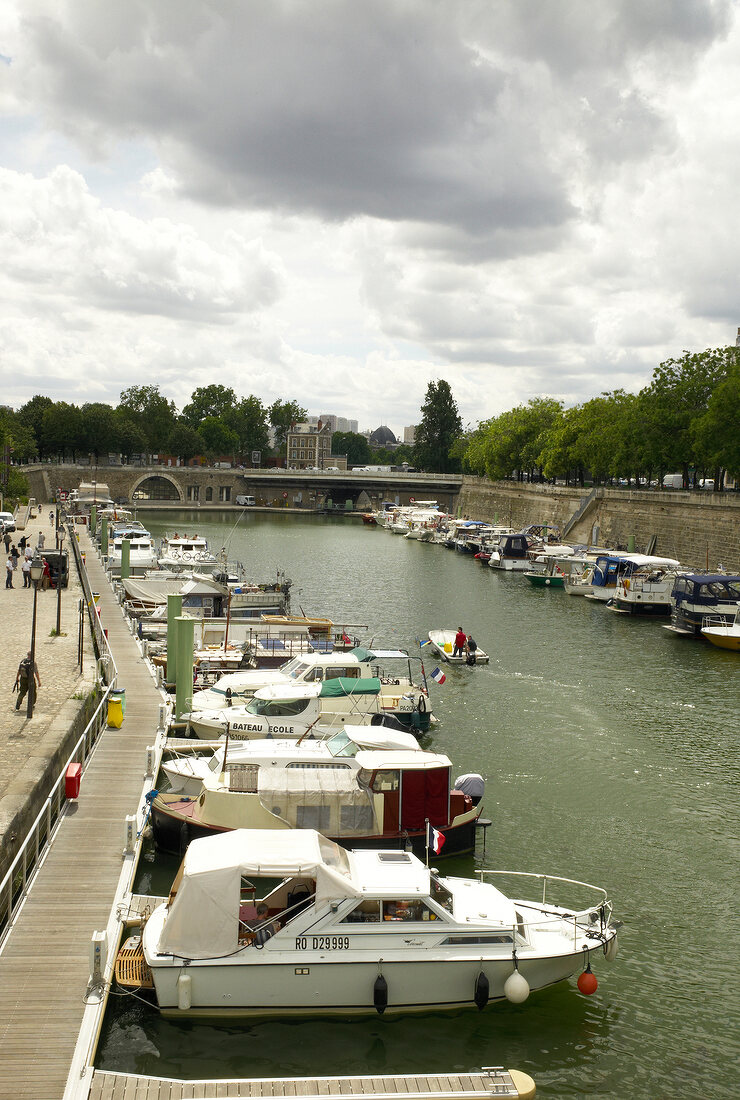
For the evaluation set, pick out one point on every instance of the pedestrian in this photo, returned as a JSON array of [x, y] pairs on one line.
[[28, 553], [472, 647], [51, 518], [27, 673], [9, 567], [14, 554], [46, 577], [7, 540], [460, 640], [42, 540], [22, 542], [26, 571]]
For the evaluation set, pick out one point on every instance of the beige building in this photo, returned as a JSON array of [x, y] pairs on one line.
[[309, 446]]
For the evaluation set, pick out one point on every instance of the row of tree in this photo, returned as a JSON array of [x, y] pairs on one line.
[[214, 422], [686, 420]]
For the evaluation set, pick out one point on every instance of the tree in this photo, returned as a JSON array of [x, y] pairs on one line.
[[130, 436], [98, 434], [147, 409], [248, 420], [283, 414], [209, 401], [185, 442], [353, 445], [440, 427], [716, 434], [217, 438], [62, 426], [31, 415]]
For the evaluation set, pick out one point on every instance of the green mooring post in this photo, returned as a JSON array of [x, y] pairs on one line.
[[174, 608], [93, 521], [184, 672], [104, 536], [125, 558], [631, 544]]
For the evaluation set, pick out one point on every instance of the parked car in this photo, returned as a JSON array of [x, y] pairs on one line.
[[7, 521]]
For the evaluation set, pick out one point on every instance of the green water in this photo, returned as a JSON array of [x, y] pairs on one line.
[[610, 750]]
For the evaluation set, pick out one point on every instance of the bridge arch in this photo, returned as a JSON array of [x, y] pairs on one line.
[[159, 486]]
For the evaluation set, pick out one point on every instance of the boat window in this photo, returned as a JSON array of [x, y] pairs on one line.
[[214, 764], [441, 894], [341, 745], [313, 817], [243, 777], [367, 912], [414, 909], [293, 667], [385, 780], [356, 819], [316, 765], [277, 708], [494, 937], [394, 857]]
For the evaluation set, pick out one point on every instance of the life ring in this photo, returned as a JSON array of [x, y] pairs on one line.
[[421, 706]]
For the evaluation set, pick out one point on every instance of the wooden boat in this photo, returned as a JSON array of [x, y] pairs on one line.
[[359, 932]]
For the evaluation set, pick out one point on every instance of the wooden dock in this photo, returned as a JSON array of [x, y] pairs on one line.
[[494, 1082], [44, 966]]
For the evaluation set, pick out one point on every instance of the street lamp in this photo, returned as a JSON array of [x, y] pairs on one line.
[[37, 572], [60, 544]]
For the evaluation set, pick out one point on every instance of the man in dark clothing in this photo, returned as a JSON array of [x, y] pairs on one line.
[[28, 672], [7, 540], [472, 647], [22, 543]]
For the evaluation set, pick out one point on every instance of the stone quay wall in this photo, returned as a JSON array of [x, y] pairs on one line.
[[700, 529]]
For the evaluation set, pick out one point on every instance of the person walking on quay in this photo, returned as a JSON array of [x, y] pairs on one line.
[[26, 571], [22, 543], [51, 518], [14, 554], [460, 640], [41, 541], [28, 672], [7, 540], [9, 567]]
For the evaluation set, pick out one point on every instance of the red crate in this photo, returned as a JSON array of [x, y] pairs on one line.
[[72, 779]]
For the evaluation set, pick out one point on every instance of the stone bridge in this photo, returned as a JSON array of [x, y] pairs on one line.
[[158, 486]]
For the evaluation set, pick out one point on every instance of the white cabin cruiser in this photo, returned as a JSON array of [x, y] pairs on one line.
[[396, 682], [356, 932], [295, 708], [361, 797], [142, 552], [186, 553]]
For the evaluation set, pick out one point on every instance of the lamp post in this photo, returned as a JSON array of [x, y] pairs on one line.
[[37, 572], [60, 544]]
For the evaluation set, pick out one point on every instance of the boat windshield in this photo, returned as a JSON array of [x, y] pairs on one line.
[[277, 708], [294, 668], [342, 745], [440, 893]]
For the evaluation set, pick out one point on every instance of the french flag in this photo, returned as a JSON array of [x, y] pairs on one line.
[[435, 839], [438, 675]]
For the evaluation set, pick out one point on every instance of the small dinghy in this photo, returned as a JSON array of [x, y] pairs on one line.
[[443, 643]]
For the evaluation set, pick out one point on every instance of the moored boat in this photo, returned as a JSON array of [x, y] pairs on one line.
[[698, 595], [358, 932], [721, 633]]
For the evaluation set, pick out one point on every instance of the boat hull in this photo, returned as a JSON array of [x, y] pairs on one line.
[[545, 580]]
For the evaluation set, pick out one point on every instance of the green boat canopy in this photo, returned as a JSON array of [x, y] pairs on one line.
[[343, 685], [361, 654]]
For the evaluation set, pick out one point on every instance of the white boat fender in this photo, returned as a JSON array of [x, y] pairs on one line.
[[380, 994], [482, 991], [421, 706], [611, 948], [184, 992], [516, 986]]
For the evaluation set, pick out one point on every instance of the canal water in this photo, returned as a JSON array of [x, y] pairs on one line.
[[610, 752]]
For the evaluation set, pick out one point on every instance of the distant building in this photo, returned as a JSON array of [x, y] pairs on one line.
[[383, 437], [409, 434], [309, 445]]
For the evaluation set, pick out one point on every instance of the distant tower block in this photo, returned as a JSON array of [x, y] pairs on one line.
[[737, 339]]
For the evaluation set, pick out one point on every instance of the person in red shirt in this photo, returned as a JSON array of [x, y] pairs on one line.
[[460, 641]]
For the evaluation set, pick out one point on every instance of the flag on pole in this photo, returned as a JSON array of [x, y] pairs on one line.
[[422, 644], [435, 839], [438, 675]]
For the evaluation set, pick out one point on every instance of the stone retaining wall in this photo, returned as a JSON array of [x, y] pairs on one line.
[[700, 529]]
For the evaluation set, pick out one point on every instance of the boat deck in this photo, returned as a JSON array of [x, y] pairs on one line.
[[489, 1083], [44, 965]]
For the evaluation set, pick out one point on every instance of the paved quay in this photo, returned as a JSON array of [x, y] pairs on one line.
[[27, 746]]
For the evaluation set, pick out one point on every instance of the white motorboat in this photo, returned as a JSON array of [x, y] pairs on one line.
[[294, 708], [395, 684], [356, 795], [142, 552], [187, 554], [186, 771], [511, 553], [443, 644], [357, 932], [645, 590], [698, 595], [609, 567]]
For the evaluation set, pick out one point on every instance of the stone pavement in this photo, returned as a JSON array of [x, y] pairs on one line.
[[27, 745]]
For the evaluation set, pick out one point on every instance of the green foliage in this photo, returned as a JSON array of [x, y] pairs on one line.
[[354, 446], [145, 408], [184, 442], [283, 414], [440, 427], [716, 434], [31, 415], [209, 401], [97, 433], [61, 428], [217, 438]]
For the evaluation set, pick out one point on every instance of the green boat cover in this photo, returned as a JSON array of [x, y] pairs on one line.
[[361, 654], [344, 685]]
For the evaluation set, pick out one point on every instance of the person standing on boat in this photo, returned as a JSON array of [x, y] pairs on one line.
[[471, 647], [28, 672], [460, 640]]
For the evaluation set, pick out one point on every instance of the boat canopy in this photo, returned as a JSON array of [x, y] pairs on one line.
[[203, 917], [372, 737], [365, 655], [707, 588], [310, 795], [342, 685]]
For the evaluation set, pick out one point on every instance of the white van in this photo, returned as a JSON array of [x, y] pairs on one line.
[[673, 481], [246, 501], [7, 521]]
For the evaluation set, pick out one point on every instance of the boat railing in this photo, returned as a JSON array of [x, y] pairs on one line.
[[600, 906]]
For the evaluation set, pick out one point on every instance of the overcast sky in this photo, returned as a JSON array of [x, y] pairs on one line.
[[339, 201]]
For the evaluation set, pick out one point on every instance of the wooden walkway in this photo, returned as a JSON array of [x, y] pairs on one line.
[[457, 1086], [44, 967]]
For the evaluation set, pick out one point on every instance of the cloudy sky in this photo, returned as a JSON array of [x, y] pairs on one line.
[[339, 201]]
